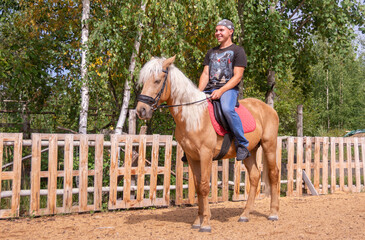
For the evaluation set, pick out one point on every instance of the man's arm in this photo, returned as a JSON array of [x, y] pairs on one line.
[[204, 78], [238, 74]]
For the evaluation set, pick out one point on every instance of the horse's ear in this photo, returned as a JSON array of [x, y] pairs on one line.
[[168, 62]]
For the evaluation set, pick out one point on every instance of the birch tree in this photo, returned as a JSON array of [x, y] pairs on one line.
[[84, 77], [127, 86]]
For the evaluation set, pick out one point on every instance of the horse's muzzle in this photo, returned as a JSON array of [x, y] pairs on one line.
[[144, 111]]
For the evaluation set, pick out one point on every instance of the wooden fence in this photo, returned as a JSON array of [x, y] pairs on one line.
[[80, 173], [333, 164]]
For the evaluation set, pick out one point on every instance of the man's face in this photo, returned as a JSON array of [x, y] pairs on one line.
[[222, 33]]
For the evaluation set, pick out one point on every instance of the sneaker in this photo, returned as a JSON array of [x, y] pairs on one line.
[[242, 153]]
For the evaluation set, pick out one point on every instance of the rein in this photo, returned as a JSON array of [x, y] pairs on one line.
[[154, 101]]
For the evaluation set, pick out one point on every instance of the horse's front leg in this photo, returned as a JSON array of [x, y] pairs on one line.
[[195, 167], [204, 188]]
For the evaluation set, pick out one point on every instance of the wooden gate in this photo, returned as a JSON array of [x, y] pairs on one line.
[[54, 173], [120, 189]]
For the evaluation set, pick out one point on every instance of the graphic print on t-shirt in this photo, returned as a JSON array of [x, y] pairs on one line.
[[220, 67]]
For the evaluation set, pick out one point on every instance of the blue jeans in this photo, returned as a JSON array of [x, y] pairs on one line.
[[228, 102]]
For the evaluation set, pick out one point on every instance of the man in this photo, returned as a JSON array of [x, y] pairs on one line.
[[223, 71]]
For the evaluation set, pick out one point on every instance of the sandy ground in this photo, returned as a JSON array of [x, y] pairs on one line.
[[336, 216]]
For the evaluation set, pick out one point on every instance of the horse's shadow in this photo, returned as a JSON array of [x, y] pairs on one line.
[[188, 214]]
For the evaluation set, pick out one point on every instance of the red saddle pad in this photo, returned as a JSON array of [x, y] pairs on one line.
[[248, 122]]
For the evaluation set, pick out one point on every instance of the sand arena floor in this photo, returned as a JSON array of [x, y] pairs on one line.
[[335, 216]]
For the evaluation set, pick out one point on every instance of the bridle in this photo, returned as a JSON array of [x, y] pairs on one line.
[[153, 102]]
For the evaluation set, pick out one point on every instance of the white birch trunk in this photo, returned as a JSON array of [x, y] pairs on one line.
[[300, 120], [270, 94], [128, 82], [84, 89]]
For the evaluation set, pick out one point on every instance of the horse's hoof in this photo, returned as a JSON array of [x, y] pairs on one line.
[[273, 218], [205, 229], [243, 219], [195, 226]]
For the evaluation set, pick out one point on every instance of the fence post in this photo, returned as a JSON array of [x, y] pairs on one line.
[[35, 174], [349, 164], [154, 165], [225, 179], [278, 159], [52, 174], [128, 155], [113, 172], [167, 171], [132, 122], [357, 164], [83, 170], [179, 175], [68, 167], [308, 158], [317, 148], [290, 166], [98, 177], [325, 166], [237, 180], [299, 166], [141, 169], [342, 165], [15, 201]]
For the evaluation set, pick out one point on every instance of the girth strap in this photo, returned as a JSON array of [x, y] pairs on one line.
[[227, 140], [224, 149]]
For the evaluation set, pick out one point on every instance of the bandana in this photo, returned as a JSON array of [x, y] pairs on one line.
[[228, 24]]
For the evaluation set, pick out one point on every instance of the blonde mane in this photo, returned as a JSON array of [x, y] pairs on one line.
[[182, 91]]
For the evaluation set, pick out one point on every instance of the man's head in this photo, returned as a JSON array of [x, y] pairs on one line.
[[224, 30], [225, 22]]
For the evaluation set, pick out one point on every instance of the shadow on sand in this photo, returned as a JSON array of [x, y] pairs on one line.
[[188, 214]]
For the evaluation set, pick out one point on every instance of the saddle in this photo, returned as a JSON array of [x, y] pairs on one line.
[[219, 116], [222, 128]]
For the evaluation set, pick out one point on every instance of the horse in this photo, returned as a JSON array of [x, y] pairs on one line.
[[164, 82]]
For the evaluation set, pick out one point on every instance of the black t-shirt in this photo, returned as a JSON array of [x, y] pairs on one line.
[[221, 64]]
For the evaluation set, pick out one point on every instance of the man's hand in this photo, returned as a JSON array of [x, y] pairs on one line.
[[216, 94]]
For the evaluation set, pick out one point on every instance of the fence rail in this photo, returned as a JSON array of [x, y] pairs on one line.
[[64, 173]]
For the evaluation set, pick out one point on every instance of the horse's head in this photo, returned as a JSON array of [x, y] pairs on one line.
[[156, 87]]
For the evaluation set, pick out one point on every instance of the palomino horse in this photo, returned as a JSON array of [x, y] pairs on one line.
[[163, 82]]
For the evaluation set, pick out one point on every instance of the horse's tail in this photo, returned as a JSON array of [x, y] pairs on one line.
[[265, 176]]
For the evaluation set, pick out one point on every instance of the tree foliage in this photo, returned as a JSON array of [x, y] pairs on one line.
[[300, 40]]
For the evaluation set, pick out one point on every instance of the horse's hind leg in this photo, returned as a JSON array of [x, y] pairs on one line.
[[254, 177]]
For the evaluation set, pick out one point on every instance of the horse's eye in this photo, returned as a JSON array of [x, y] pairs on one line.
[[157, 81]]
